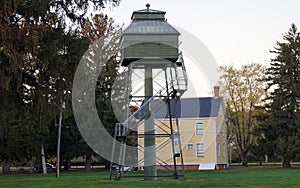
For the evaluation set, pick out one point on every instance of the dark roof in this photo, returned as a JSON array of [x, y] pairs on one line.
[[189, 107]]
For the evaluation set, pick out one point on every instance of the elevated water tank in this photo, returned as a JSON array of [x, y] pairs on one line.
[[149, 36]]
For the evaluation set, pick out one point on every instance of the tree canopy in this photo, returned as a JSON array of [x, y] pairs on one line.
[[40, 47], [242, 89]]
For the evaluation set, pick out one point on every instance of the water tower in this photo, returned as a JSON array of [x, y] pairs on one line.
[[150, 46]]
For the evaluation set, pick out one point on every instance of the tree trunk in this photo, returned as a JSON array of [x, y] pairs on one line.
[[31, 165], [286, 163], [266, 158], [245, 160], [6, 166], [88, 162], [67, 164], [43, 160]]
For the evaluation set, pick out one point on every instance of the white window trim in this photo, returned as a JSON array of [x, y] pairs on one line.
[[218, 127], [187, 146], [224, 150], [199, 123], [223, 129], [176, 141], [176, 136], [219, 150], [203, 150]]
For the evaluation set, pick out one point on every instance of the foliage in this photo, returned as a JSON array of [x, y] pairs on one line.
[[40, 48], [283, 106], [72, 144], [9, 111], [104, 36], [242, 90]]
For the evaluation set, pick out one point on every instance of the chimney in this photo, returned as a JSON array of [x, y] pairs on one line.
[[216, 92]]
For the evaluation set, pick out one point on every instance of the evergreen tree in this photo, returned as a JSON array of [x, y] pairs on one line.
[[283, 78], [99, 27]]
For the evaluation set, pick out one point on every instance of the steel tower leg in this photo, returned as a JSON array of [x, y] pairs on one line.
[[179, 139]]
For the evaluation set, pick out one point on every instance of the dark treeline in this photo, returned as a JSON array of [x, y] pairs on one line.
[[41, 44]]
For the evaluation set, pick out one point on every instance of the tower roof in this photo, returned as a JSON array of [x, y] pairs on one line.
[[149, 21], [150, 27], [148, 14]]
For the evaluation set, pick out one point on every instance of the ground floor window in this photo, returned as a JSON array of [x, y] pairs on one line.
[[189, 146], [224, 150], [176, 138], [200, 149]]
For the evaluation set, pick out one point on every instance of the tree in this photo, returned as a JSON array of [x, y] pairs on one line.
[[242, 90], [38, 56], [283, 102], [264, 147], [9, 112], [25, 139], [99, 29]]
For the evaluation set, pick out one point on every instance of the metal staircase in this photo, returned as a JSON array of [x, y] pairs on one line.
[[176, 85]]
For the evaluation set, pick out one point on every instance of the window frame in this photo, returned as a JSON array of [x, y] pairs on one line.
[[224, 150], [189, 144], [219, 150], [201, 153], [199, 130], [176, 138]]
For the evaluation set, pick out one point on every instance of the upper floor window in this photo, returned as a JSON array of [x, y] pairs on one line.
[[199, 128]]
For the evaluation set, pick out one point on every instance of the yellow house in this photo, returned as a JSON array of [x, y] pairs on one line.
[[203, 134]]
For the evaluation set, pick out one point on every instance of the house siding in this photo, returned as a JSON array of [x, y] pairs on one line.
[[215, 132], [188, 136]]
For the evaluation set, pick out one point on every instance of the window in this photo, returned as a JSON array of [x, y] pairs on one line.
[[219, 150], [224, 150], [176, 141], [200, 149], [176, 138], [190, 147], [222, 129], [199, 128]]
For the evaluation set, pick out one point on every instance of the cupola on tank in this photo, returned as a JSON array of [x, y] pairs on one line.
[[149, 36]]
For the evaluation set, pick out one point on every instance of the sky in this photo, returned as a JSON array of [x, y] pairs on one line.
[[236, 32]]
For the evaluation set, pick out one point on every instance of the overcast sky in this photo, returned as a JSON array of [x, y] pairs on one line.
[[235, 31]]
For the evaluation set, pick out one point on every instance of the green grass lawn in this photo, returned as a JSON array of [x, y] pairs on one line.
[[236, 177]]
